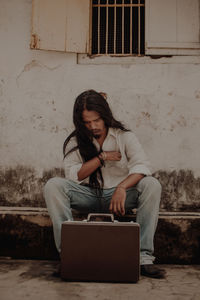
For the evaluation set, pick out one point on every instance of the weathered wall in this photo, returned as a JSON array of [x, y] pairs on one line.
[[28, 233], [158, 99]]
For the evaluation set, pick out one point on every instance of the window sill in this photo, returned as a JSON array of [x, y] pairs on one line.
[[84, 59]]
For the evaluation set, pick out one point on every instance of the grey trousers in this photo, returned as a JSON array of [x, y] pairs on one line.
[[61, 195]]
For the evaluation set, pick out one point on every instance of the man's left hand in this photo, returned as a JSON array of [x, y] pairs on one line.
[[117, 202]]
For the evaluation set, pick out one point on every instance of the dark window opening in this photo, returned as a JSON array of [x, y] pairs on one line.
[[118, 27]]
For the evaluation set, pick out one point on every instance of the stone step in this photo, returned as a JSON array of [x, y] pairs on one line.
[[26, 232]]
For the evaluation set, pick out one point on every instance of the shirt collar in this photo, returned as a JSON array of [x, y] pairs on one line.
[[111, 132]]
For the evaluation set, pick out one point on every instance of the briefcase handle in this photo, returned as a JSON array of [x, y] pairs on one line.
[[110, 217]]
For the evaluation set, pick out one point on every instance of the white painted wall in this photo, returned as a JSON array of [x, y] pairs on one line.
[[159, 100]]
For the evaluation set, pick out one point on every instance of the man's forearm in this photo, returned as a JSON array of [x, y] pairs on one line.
[[88, 168], [130, 181], [117, 204]]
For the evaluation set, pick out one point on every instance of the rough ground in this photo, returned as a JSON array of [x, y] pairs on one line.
[[29, 279]]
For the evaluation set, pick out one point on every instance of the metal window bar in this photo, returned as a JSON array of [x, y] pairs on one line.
[[99, 15], [139, 52], [115, 5], [115, 24], [107, 27], [131, 28], [122, 26]]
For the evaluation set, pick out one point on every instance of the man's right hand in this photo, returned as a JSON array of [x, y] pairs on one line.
[[113, 155]]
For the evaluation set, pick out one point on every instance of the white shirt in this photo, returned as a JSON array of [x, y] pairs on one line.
[[133, 159]]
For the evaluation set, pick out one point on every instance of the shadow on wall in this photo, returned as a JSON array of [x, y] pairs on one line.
[[22, 187]]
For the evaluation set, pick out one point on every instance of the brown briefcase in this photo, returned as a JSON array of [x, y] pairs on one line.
[[100, 251]]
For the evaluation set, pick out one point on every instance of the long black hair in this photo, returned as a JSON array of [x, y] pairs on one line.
[[92, 101]]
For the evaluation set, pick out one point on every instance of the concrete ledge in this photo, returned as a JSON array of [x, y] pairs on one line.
[[26, 232]]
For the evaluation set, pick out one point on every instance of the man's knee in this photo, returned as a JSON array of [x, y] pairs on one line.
[[54, 186], [151, 184], [51, 184]]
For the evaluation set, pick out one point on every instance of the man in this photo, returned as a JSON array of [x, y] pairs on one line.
[[106, 170]]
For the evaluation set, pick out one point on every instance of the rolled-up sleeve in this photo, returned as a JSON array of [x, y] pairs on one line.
[[72, 163], [137, 160]]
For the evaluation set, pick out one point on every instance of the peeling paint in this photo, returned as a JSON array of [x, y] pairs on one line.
[[33, 64], [35, 42]]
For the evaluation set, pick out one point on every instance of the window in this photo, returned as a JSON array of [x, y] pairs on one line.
[[118, 27], [172, 27], [61, 25]]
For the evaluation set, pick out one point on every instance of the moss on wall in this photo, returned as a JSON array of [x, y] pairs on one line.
[[21, 186]]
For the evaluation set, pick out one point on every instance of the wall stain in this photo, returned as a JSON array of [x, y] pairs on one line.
[[181, 121], [21, 186], [42, 269], [178, 245], [197, 94], [180, 190], [34, 63], [23, 239], [145, 118], [171, 111]]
